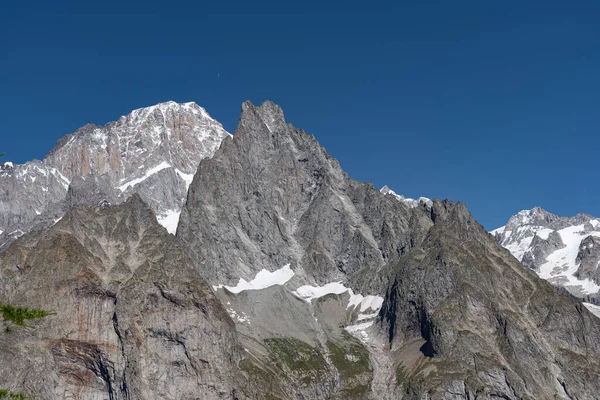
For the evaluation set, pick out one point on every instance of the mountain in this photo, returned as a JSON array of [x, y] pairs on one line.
[[286, 279], [562, 250], [153, 151], [401, 300]]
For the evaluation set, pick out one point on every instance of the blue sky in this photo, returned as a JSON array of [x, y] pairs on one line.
[[493, 103]]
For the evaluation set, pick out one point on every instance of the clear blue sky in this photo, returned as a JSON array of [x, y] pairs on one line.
[[493, 103]]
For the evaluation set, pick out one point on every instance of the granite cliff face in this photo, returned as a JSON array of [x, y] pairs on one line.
[[271, 196], [133, 318], [322, 287]]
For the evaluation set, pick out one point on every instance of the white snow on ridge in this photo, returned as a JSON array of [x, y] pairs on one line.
[[412, 203], [365, 303], [594, 309], [562, 264], [544, 233], [262, 280], [309, 293], [359, 330], [498, 231], [148, 173], [169, 220]]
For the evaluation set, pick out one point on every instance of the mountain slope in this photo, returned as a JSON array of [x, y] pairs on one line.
[[488, 327], [133, 318]]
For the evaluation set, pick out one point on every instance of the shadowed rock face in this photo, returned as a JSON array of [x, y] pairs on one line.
[[133, 318], [461, 318], [588, 258], [487, 322]]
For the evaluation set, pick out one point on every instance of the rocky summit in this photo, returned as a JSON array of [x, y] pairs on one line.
[[285, 279]]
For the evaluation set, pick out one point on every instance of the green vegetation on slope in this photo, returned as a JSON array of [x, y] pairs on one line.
[[351, 359], [298, 357], [6, 394], [18, 315]]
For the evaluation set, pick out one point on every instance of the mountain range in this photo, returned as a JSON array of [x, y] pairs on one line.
[[177, 261], [565, 251]]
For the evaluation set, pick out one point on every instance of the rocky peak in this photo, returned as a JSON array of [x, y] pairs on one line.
[[273, 196], [535, 216], [180, 134], [272, 115]]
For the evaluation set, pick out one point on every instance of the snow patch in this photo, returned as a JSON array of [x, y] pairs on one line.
[[310, 293], [412, 203], [242, 317], [148, 173], [169, 219], [262, 280], [561, 264], [186, 177], [594, 309], [359, 330], [519, 248], [544, 233]]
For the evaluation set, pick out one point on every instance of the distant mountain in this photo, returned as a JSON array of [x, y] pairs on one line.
[[153, 151], [563, 250]]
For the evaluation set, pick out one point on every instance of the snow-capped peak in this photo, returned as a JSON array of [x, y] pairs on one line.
[[534, 216], [552, 246], [141, 114], [412, 203], [153, 151]]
